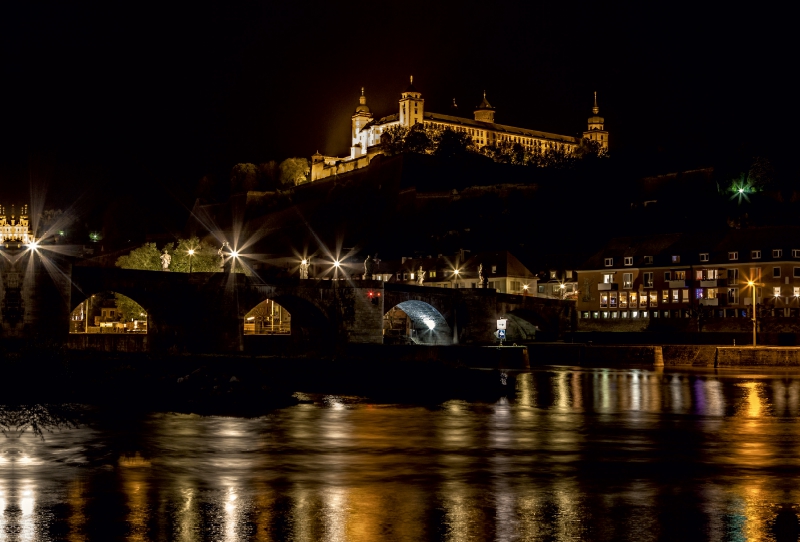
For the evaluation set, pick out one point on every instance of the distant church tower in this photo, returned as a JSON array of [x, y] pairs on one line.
[[484, 112], [596, 132], [411, 106], [359, 119]]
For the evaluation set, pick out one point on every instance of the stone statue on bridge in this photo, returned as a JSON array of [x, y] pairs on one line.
[[221, 254], [420, 276], [165, 260], [369, 268], [304, 268]]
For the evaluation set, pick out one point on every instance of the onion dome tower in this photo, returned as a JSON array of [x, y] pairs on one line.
[[360, 118], [596, 131]]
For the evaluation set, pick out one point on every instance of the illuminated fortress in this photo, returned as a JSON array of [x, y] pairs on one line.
[[366, 132]]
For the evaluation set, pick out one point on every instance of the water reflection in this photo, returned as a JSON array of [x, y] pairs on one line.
[[578, 454]]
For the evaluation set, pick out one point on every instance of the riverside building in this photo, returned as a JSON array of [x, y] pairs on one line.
[[713, 274], [366, 132]]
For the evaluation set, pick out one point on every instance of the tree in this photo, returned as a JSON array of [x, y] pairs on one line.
[[418, 139], [757, 178], [452, 144], [244, 177], [293, 171], [393, 140], [129, 309], [268, 175], [204, 258], [51, 221], [145, 257]]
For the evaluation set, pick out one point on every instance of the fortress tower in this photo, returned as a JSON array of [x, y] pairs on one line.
[[596, 132]]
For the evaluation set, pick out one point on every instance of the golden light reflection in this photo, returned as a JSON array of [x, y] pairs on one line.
[[188, 516], [561, 391], [77, 511], [525, 390], [464, 517], [135, 474], [577, 392], [753, 405], [636, 392]]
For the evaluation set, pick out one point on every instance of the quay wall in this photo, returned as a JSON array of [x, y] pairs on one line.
[[107, 342], [761, 356]]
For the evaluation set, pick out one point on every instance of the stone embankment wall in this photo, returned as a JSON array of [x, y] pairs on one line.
[[763, 356], [673, 355], [107, 342]]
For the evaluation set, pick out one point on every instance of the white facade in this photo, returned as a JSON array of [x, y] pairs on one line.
[[13, 227]]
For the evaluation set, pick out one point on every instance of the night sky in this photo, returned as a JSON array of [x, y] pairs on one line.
[[149, 98]]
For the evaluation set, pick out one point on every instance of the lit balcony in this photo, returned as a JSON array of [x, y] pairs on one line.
[[607, 286]]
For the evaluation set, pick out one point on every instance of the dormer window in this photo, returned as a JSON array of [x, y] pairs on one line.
[[553, 275], [628, 260], [648, 259], [777, 253], [676, 259], [609, 262], [755, 254], [704, 256], [732, 256]]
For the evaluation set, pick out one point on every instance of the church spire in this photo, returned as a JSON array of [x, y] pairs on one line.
[[595, 109], [362, 99]]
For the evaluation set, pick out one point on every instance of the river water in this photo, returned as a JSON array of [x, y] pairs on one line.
[[576, 454]]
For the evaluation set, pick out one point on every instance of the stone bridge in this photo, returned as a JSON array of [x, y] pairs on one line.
[[204, 312]]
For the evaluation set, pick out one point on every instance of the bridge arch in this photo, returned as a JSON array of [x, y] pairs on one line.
[[299, 322], [107, 312], [423, 324]]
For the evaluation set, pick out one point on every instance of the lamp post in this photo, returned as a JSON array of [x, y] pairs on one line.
[[753, 285], [563, 291], [191, 257], [456, 272]]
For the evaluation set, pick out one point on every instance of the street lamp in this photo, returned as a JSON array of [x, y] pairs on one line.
[[562, 286], [456, 272], [753, 286], [191, 257]]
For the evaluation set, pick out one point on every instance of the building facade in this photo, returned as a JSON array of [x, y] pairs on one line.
[[708, 275], [366, 132], [14, 227]]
